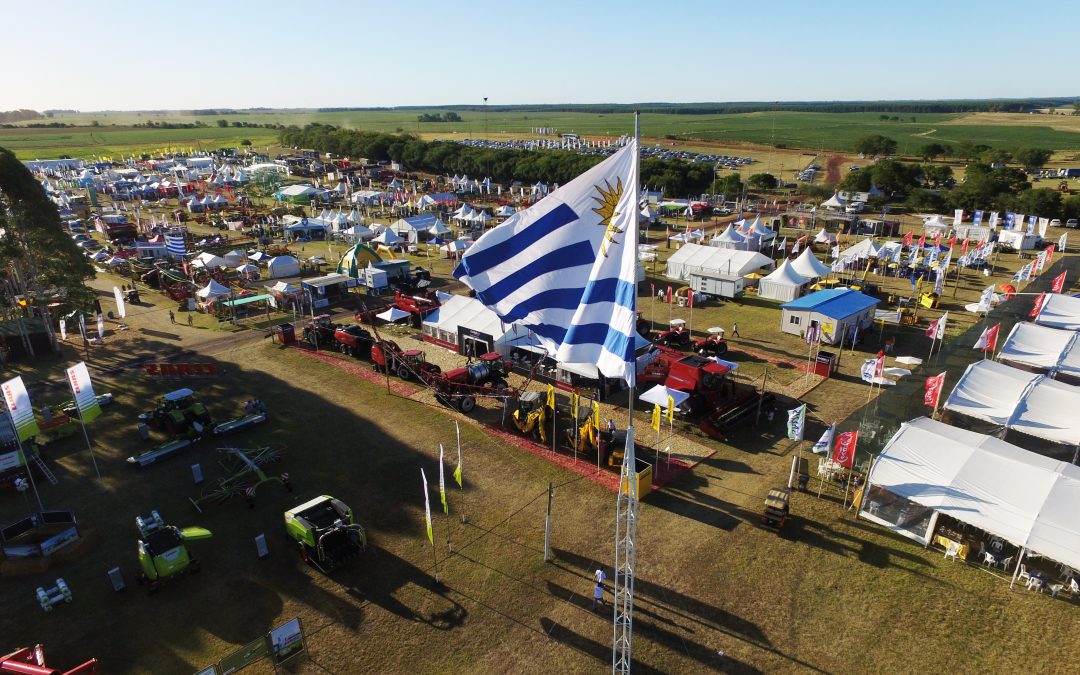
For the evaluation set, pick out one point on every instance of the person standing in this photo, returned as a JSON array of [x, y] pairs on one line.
[[172, 317], [190, 320], [600, 577], [598, 596]]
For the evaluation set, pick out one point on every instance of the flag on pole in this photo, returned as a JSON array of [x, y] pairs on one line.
[[1039, 300], [796, 422], [844, 453], [1059, 283], [457, 469], [442, 482], [825, 442], [596, 415], [908, 239], [670, 410], [988, 339], [922, 241], [427, 508], [82, 390], [567, 267], [879, 365], [551, 396], [656, 417], [934, 385], [17, 401], [936, 329], [120, 308]]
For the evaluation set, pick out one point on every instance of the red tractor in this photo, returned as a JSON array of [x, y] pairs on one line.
[[714, 345], [320, 332], [418, 306], [459, 387], [354, 341], [702, 378], [676, 337]]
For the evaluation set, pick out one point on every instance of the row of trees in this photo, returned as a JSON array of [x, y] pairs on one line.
[[1029, 158], [436, 117], [504, 166]]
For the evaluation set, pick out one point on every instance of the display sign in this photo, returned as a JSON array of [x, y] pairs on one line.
[[10, 460], [181, 370], [244, 657], [287, 641], [17, 400], [83, 392]]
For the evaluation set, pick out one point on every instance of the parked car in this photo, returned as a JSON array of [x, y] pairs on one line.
[[1072, 223], [80, 238], [1055, 223]]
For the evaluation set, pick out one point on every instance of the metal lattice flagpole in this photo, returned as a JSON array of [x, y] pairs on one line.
[[626, 507]]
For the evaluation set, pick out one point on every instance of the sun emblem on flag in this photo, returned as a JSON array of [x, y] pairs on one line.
[[606, 203]]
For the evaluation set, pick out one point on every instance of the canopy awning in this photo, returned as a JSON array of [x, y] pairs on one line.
[[247, 300]]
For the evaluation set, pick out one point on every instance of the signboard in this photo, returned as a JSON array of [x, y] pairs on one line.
[[287, 641], [17, 401], [209, 670], [83, 392], [52, 544], [244, 657], [10, 460]]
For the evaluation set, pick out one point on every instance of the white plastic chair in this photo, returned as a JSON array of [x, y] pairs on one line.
[[1057, 588], [1006, 562], [988, 558], [953, 551], [1024, 576]]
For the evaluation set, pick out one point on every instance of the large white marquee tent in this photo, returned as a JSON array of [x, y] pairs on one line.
[[1059, 311], [711, 260], [1043, 350]]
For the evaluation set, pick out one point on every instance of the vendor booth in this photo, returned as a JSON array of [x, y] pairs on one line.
[[328, 289]]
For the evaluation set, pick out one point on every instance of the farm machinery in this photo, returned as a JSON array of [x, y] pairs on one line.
[[319, 332], [178, 412], [702, 378], [325, 533], [388, 357], [533, 416], [32, 662], [676, 337], [712, 344], [353, 341], [162, 553], [244, 469], [417, 305], [459, 387]]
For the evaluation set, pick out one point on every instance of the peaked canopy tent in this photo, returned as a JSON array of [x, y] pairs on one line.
[[862, 250], [1059, 311], [823, 237], [691, 258], [730, 238], [783, 284], [834, 202], [415, 229], [809, 266], [929, 468], [213, 290], [1011, 398], [1043, 350], [208, 260], [283, 266]]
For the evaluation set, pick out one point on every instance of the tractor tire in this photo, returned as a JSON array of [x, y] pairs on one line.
[[497, 383], [346, 350], [692, 406], [466, 404], [721, 349], [404, 373]]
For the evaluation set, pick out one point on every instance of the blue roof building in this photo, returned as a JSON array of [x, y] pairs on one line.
[[838, 311]]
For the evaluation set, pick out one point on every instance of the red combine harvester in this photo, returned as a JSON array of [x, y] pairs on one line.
[[32, 662], [418, 306], [702, 378]]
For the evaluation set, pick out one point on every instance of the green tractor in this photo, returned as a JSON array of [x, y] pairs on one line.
[[177, 413], [325, 533], [162, 553]]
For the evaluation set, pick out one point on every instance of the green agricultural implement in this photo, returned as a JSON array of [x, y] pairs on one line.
[[325, 533], [244, 475], [162, 553], [177, 412]]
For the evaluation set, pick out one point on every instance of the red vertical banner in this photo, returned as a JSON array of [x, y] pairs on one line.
[[844, 453], [934, 385], [1058, 285], [1040, 299]]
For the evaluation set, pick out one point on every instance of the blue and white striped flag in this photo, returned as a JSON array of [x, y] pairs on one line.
[[175, 245], [566, 267]]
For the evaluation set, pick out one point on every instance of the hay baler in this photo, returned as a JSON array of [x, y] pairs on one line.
[[324, 531]]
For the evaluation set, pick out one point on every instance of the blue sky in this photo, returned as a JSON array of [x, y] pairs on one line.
[[126, 55]]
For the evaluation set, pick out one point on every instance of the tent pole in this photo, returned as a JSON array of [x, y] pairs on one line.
[[1016, 570]]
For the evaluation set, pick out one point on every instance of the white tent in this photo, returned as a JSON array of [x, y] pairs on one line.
[[357, 232], [659, 394], [257, 256], [248, 269], [457, 245], [1059, 311], [783, 284], [213, 290], [729, 238], [809, 266], [461, 311], [438, 228], [1029, 500], [866, 248], [834, 202], [283, 266], [824, 237], [234, 258], [505, 211], [388, 237], [935, 222], [208, 260], [711, 260], [393, 314], [284, 288], [1016, 399], [1044, 350]]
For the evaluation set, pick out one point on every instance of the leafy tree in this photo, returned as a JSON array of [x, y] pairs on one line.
[[932, 151], [1070, 207], [1045, 202], [985, 187], [1032, 158], [45, 264], [875, 144], [925, 200], [223, 123], [857, 181], [970, 150], [996, 156], [762, 181], [938, 176], [894, 177], [245, 142], [730, 186]]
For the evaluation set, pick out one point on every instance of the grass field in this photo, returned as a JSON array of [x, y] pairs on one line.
[[815, 131]]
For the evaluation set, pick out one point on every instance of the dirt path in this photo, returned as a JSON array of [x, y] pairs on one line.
[[832, 168]]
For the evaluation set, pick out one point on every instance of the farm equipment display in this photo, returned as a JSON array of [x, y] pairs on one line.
[[533, 416], [676, 337], [418, 306], [178, 412], [712, 344], [163, 450], [244, 469], [387, 356], [718, 423], [31, 661], [353, 341], [700, 377], [254, 414], [162, 553], [319, 332], [777, 507], [325, 533], [459, 387]]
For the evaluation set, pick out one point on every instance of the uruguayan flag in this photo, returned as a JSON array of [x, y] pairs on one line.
[[175, 245], [566, 267]]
